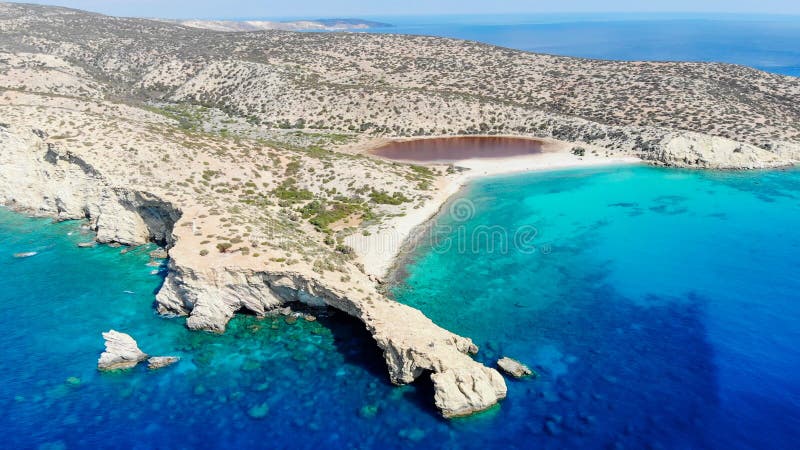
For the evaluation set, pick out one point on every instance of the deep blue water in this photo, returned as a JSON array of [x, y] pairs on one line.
[[660, 308], [770, 43]]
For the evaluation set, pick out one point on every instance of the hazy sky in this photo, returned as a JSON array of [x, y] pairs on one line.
[[355, 8]]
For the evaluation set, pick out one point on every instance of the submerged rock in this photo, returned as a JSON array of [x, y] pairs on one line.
[[258, 411], [87, 244], [25, 254], [514, 368], [552, 428], [412, 434], [121, 352], [159, 362], [368, 411]]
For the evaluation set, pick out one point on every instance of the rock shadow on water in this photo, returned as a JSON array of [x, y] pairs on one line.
[[352, 340]]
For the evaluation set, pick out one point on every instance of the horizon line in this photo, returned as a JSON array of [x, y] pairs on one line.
[[312, 17]]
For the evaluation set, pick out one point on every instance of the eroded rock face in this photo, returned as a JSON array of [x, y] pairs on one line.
[[466, 390], [514, 368], [412, 344], [44, 179], [687, 149], [159, 362], [121, 352]]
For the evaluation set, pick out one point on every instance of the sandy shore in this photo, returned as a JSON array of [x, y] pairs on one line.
[[379, 251]]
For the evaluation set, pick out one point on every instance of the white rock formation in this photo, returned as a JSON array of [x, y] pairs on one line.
[[159, 362], [464, 391], [514, 368], [121, 352], [412, 344], [686, 149]]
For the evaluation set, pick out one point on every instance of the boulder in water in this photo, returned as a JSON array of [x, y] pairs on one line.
[[514, 368], [466, 390], [121, 352], [159, 362]]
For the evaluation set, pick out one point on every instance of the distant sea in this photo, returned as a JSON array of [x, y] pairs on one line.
[[769, 43]]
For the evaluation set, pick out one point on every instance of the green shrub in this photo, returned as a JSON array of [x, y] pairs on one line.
[[289, 192], [383, 198]]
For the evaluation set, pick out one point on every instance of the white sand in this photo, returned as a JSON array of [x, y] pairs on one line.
[[379, 250]]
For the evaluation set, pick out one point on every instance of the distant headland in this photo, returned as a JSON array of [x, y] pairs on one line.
[[345, 24]]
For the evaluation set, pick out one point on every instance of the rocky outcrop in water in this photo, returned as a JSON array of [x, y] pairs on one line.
[[460, 392], [159, 362], [514, 368], [121, 352]]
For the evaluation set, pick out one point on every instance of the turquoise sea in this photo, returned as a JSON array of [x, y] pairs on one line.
[[659, 307]]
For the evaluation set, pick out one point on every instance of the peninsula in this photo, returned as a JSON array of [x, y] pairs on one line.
[[246, 155]]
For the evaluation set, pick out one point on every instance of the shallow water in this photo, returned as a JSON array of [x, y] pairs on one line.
[[659, 307], [452, 149]]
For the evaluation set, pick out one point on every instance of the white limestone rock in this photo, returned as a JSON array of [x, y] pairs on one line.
[[121, 352], [514, 368], [159, 362], [463, 391]]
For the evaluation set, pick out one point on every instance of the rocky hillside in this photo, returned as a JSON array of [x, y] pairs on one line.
[[410, 85]]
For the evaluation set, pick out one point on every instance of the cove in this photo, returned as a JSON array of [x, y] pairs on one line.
[[660, 307]]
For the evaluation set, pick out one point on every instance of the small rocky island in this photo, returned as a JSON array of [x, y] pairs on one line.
[[122, 353], [245, 155]]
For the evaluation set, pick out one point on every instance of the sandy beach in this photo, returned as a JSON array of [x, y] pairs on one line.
[[379, 250]]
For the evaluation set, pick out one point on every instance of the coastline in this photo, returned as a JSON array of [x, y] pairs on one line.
[[384, 250]]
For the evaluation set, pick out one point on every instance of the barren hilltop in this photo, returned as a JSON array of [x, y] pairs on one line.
[[242, 152]]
